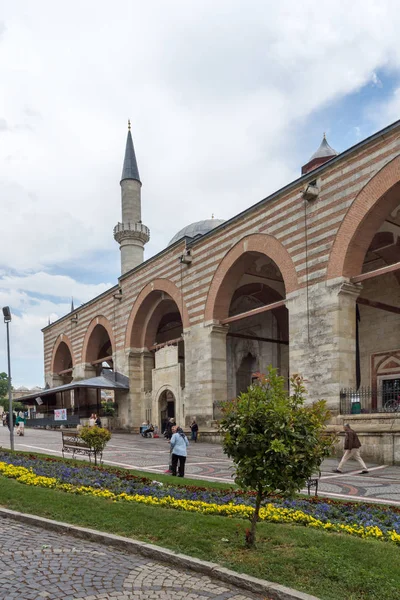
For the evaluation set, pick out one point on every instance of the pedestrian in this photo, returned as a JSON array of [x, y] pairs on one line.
[[169, 470], [97, 421], [92, 420], [352, 447], [8, 420], [168, 431], [195, 429], [20, 421], [179, 444]]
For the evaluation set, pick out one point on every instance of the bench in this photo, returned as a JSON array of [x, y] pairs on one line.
[[313, 482], [74, 444]]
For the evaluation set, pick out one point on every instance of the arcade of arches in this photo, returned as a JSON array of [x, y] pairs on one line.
[[309, 283]]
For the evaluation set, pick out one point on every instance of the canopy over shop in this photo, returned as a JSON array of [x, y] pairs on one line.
[[76, 400]]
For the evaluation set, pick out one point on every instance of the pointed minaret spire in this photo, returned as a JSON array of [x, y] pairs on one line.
[[72, 304], [130, 169], [131, 234]]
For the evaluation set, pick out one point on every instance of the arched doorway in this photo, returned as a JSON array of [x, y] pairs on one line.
[[156, 338], [245, 373], [166, 408]]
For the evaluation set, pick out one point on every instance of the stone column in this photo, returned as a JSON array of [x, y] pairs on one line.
[[206, 371], [130, 406], [322, 338]]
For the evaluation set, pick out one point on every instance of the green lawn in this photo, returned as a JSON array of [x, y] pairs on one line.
[[330, 566]]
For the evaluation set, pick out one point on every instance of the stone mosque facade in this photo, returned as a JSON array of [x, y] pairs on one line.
[[307, 279]]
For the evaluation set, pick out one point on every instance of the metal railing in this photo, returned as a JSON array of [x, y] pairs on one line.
[[366, 400]]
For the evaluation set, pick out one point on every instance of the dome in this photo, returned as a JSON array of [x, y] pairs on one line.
[[324, 151], [196, 229]]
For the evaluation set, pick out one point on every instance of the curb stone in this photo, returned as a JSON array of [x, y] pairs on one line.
[[247, 582]]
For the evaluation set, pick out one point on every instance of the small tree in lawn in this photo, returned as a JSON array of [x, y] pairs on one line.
[[275, 441], [96, 438]]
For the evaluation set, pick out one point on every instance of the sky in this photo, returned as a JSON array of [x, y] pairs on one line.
[[227, 99]]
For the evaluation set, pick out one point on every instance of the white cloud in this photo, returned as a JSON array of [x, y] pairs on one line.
[[216, 92]]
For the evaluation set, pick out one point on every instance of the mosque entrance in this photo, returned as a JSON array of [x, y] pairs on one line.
[[166, 403]]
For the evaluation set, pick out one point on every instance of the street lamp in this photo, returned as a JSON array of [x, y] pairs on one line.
[[7, 321]]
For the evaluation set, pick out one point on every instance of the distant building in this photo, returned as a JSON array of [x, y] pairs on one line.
[[22, 391]]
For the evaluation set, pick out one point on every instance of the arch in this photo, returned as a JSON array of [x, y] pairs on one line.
[[61, 339], [218, 299], [159, 398], [86, 348], [372, 204], [145, 304]]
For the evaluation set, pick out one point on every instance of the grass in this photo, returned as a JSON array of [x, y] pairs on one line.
[[330, 566]]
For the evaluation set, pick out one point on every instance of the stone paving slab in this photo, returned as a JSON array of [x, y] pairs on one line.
[[207, 461], [49, 562]]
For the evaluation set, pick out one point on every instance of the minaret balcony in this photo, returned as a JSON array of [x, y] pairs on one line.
[[133, 231]]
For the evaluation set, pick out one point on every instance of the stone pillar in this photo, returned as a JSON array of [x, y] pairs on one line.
[[130, 406], [322, 338], [206, 371]]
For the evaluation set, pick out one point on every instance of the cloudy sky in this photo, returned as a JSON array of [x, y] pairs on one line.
[[227, 98]]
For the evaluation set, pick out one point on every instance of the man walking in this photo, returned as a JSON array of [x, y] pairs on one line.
[[352, 447]]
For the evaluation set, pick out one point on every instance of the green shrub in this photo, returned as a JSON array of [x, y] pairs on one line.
[[275, 441], [96, 438], [108, 408]]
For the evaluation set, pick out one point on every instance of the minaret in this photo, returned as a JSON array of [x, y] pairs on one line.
[[131, 234]]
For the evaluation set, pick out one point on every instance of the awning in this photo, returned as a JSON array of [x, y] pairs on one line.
[[106, 381]]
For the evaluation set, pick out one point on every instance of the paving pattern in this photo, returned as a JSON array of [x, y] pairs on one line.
[[36, 564], [207, 461]]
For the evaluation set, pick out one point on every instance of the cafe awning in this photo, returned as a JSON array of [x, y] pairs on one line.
[[108, 380]]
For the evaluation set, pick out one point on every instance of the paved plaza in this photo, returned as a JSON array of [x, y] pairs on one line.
[[36, 564], [207, 461]]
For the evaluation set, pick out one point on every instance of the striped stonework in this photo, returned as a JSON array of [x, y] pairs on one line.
[[316, 246]]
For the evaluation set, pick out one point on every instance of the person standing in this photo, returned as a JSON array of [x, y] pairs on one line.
[[92, 420], [20, 421], [97, 421], [352, 447], [195, 430], [168, 431], [179, 444], [12, 420]]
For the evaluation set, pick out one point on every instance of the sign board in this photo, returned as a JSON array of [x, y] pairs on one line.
[[60, 414], [39, 401]]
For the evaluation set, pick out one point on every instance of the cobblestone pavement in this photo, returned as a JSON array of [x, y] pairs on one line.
[[36, 564], [207, 461]]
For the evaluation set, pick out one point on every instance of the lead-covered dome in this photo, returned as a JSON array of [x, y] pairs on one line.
[[196, 229]]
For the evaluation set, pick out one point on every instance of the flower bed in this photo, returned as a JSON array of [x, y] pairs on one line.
[[363, 520]]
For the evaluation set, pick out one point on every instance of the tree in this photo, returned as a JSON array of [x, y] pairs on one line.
[[96, 438], [3, 386], [108, 408], [275, 441]]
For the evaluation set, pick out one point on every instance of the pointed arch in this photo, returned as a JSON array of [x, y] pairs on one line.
[[146, 303], [61, 340], [87, 349], [224, 280], [364, 217]]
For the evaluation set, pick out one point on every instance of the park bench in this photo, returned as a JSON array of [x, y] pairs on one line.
[[313, 483], [74, 444]]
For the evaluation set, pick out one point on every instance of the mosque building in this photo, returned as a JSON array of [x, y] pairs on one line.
[[307, 279]]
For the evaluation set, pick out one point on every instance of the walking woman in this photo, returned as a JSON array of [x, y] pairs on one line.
[[179, 444]]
